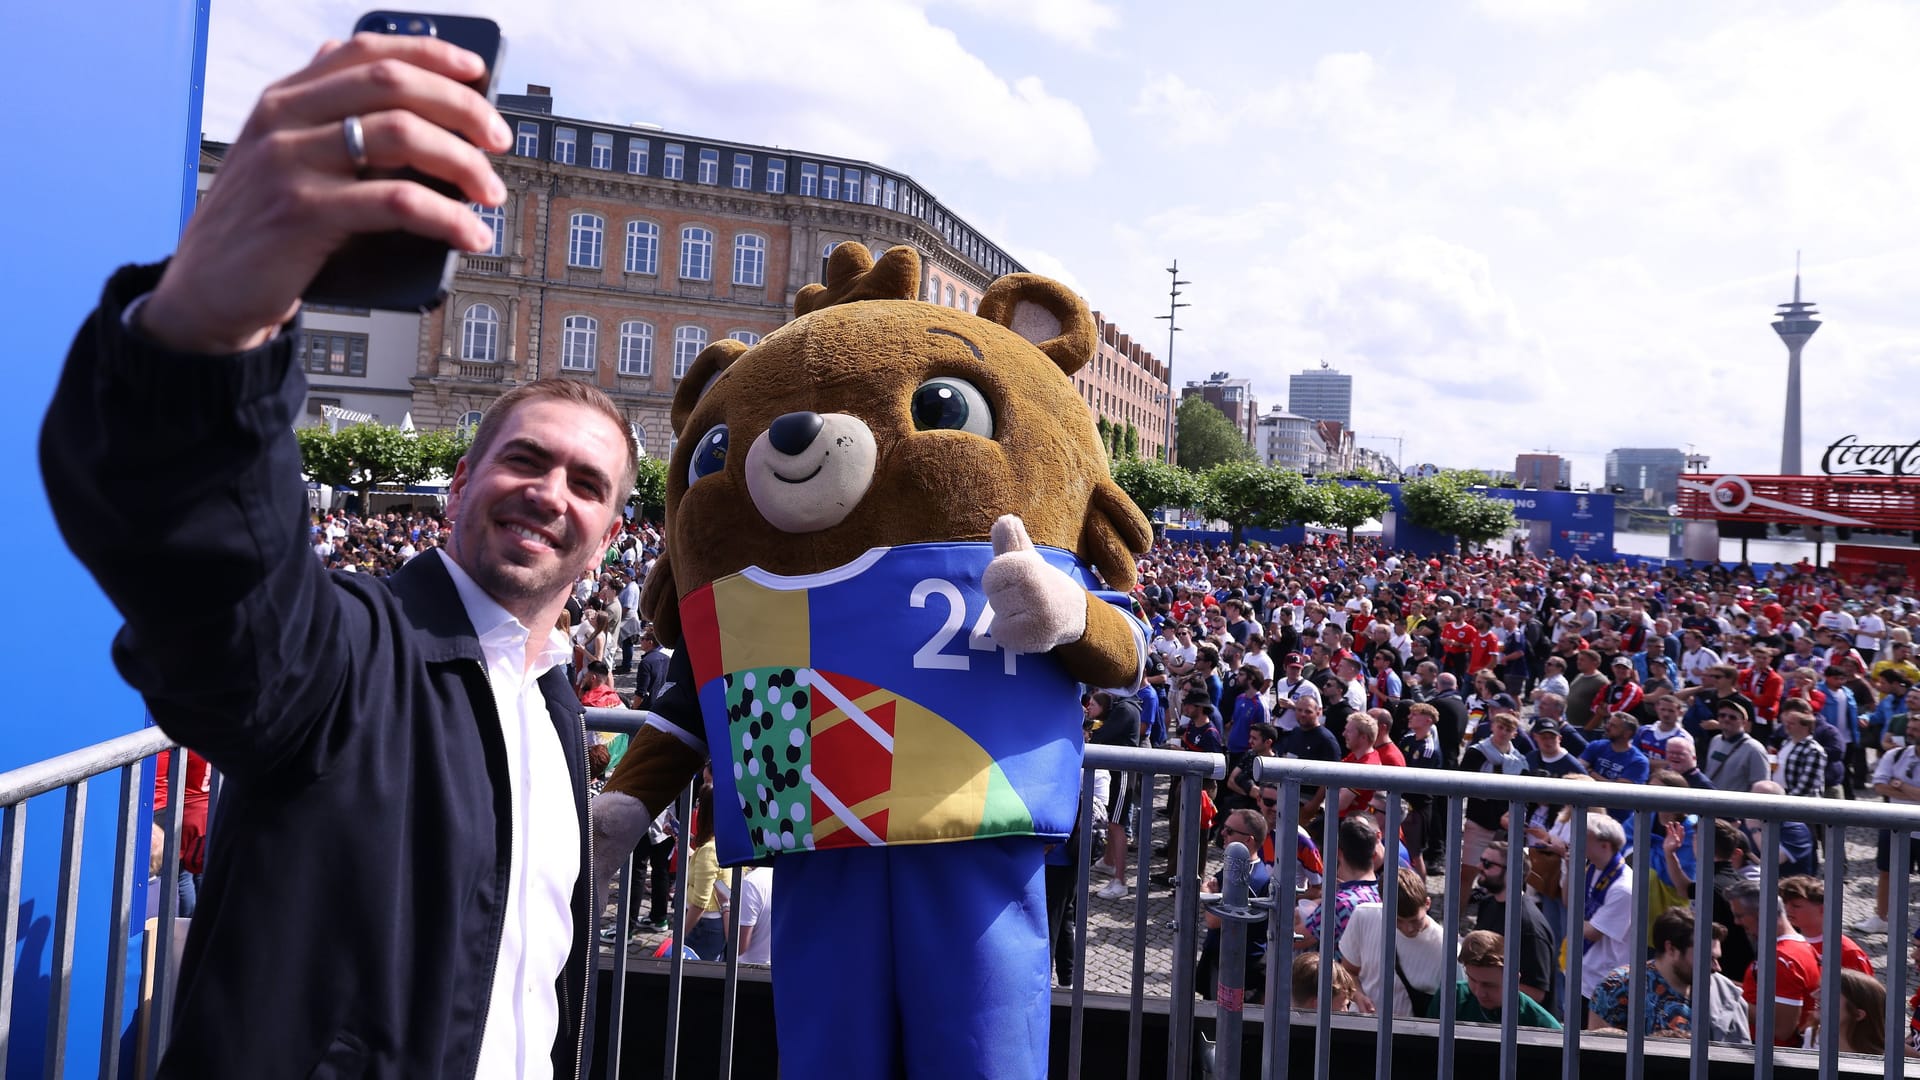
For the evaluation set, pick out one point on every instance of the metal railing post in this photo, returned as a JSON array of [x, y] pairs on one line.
[[66, 915], [730, 983], [1510, 935], [1389, 940], [1186, 934], [1235, 914], [120, 922], [13, 824], [1329, 919], [1703, 965], [161, 1012], [1136, 1003], [1769, 954], [1900, 848], [1278, 1033], [1450, 935], [676, 961], [1637, 941], [622, 944], [1083, 857], [1576, 941]]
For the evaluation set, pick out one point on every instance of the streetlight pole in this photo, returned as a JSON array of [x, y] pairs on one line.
[[1173, 310]]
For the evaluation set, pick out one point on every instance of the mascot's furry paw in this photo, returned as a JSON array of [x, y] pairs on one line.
[[619, 821], [1035, 607]]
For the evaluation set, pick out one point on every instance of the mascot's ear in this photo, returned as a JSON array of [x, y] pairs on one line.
[[705, 368], [852, 275], [1044, 312]]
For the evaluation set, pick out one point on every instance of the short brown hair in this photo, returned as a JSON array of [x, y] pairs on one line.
[[1483, 948], [573, 391], [1306, 978], [1423, 709], [1413, 893], [1803, 887]]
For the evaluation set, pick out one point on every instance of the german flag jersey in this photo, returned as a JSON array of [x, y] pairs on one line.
[[870, 705]]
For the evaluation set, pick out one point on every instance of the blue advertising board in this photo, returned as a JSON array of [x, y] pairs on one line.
[[1566, 524], [103, 73]]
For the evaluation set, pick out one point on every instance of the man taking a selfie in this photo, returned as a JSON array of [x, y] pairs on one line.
[[396, 881]]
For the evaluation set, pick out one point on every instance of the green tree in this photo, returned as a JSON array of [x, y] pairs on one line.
[[1207, 438], [441, 450], [360, 457], [1153, 485], [1466, 478], [1105, 430], [1130, 441], [1338, 506], [1443, 504], [1245, 494], [650, 487]]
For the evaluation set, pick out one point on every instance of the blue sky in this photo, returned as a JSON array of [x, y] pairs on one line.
[[1520, 224]]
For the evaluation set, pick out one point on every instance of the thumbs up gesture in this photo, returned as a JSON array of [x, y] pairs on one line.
[[1035, 606]]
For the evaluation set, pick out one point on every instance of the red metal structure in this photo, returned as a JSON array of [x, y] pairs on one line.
[[1888, 503]]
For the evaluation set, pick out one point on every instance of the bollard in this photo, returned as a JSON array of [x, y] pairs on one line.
[[1235, 914]]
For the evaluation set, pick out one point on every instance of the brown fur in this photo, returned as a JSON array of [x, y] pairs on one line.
[[860, 345]]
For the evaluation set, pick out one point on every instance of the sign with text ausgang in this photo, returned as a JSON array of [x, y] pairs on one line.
[[1848, 456]]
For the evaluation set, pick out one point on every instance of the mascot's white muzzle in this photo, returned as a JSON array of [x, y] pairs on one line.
[[807, 471]]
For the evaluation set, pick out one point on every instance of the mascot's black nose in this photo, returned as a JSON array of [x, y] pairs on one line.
[[795, 431]]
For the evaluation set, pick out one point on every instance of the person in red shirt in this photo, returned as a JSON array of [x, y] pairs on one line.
[[1623, 694], [1362, 732], [1796, 984], [1762, 685], [1485, 650], [193, 824], [1456, 643], [1805, 897]]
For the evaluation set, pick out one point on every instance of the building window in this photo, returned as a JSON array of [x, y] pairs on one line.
[[892, 195], [480, 334], [809, 178], [469, 424], [687, 343], [933, 290], [745, 337], [966, 302], [675, 166], [643, 247], [696, 254], [776, 176], [950, 297], [853, 185], [495, 218], [749, 260], [584, 235], [710, 166], [743, 171], [873, 189], [826, 252], [527, 142], [579, 340], [637, 151], [563, 140], [601, 156], [636, 348], [336, 354], [830, 182]]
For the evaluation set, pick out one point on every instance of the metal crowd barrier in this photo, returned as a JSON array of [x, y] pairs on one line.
[[72, 773], [1186, 769], [1832, 815]]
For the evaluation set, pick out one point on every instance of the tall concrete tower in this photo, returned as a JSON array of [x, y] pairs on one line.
[[1795, 325]]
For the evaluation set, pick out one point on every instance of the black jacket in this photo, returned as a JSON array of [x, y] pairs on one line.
[[353, 905]]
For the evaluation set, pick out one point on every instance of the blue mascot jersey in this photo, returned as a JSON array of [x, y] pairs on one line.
[[869, 705]]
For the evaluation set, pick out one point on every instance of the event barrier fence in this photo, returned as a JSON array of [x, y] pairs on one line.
[[70, 774]]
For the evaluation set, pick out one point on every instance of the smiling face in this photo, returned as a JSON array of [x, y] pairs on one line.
[[539, 506], [904, 452]]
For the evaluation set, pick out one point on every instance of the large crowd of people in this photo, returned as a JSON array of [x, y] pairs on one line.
[[1777, 679]]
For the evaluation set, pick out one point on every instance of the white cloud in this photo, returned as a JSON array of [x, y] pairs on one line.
[[1072, 22], [861, 78], [1536, 13]]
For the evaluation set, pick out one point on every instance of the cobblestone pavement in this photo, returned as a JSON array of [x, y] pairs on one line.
[[1110, 937]]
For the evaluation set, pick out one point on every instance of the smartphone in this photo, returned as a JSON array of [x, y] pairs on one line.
[[403, 271]]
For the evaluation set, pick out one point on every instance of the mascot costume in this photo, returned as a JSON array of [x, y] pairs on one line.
[[884, 523]]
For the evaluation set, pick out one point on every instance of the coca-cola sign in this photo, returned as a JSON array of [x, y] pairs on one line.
[[1848, 456]]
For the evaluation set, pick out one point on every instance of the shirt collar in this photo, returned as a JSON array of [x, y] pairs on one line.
[[501, 634]]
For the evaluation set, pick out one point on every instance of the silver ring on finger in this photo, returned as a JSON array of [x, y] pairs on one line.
[[356, 138]]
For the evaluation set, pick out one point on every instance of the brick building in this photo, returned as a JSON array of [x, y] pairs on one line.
[[1232, 396], [622, 251]]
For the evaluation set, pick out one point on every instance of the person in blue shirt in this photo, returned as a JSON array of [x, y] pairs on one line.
[[1843, 712], [1615, 758], [1655, 663], [1249, 707]]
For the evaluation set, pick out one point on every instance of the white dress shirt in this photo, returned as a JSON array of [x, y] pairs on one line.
[[523, 1012]]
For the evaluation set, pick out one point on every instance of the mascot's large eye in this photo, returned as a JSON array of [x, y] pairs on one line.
[[710, 456], [951, 405]]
